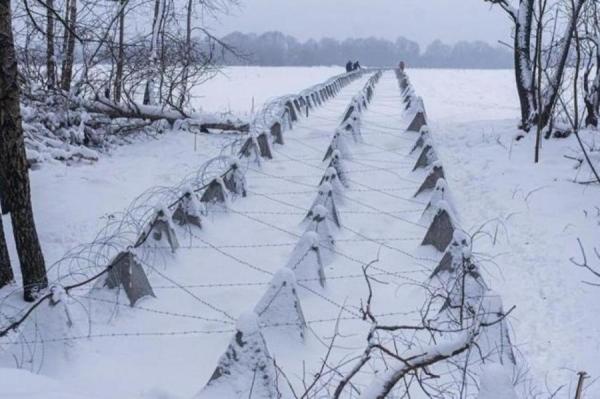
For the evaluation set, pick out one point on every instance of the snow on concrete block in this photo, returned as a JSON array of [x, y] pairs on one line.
[[291, 110], [441, 230], [466, 295], [246, 369], [435, 173], [439, 193], [330, 176], [495, 382], [264, 146], [427, 158], [494, 340], [280, 307], [424, 137], [126, 272], [369, 93], [325, 198], [417, 123], [235, 180], [352, 125], [337, 163], [320, 225], [457, 252], [188, 209], [159, 232], [306, 261], [338, 142], [215, 193], [277, 133], [348, 113]]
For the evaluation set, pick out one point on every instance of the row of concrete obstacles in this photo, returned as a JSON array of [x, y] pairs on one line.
[[126, 271], [247, 366], [458, 278]]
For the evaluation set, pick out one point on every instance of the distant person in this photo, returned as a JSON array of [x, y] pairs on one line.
[[356, 66], [349, 66], [401, 66]]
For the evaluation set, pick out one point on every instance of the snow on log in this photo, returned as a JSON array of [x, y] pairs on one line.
[[280, 307], [306, 261], [442, 228], [126, 272], [246, 369], [435, 173], [152, 112]]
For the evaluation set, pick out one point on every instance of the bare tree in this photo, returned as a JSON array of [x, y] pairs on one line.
[[69, 52], [591, 50], [50, 53], [14, 178], [6, 273], [534, 110]]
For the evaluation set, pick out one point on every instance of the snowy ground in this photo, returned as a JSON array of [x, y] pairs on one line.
[[242, 89], [534, 212]]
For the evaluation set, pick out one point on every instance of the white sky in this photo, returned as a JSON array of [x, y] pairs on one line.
[[420, 20]]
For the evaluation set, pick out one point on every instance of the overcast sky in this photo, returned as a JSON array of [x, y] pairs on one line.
[[419, 20]]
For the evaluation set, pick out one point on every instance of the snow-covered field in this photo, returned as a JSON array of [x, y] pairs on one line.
[[165, 347]]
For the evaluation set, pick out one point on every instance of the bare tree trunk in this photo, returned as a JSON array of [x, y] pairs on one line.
[[522, 18], [14, 178], [523, 64], [120, 53], [592, 96], [149, 92], [50, 62], [188, 46], [556, 79], [67, 67], [6, 273]]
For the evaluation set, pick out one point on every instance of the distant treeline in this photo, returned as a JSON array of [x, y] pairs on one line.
[[277, 49]]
